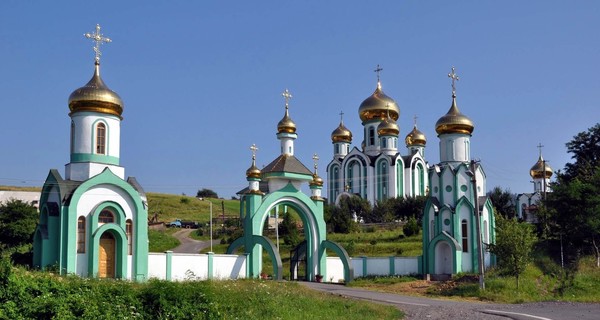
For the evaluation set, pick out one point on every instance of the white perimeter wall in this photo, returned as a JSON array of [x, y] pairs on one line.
[[372, 266], [184, 266]]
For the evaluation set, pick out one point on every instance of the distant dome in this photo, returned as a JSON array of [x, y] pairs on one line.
[[95, 96], [454, 121], [341, 134], [286, 125], [388, 127], [538, 172], [377, 105], [415, 137]]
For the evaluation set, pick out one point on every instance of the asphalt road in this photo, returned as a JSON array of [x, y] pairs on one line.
[[189, 245], [428, 308]]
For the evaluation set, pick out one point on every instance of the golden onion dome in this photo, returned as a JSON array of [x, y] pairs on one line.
[[95, 96], [341, 134], [286, 125], [538, 171], [316, 181], [415, 137], [376, 106], [253, 171], [388, 127], [454, 121]]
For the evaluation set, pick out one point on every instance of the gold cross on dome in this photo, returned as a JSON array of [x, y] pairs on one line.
[[415, 119], [452, 75], [287, 96], [341, 116], [98, 39], [254, 148], [316, 160], [540, 146], [378, 71]]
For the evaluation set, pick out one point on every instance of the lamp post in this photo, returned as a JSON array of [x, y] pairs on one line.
[[480, 259], [210, 222]]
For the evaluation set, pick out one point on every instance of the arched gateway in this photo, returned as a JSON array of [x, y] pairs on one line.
[[279, 184]]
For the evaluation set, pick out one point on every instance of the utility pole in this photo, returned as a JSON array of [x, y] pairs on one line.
[[480, 260]]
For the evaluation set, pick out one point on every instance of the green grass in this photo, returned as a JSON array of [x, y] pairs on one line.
[[15, 188], [170, 207], [40, 295], [160, 241]]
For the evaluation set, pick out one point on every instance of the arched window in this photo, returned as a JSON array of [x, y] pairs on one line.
[[81, 235], [383, 142], [337, 148], [431, 229], [465, 236], [106, 216], [129, 232], [72, 136], [384, 180], [101, 138], [371, 136]]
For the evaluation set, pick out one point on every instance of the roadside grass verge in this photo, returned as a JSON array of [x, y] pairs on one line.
[[160, 241], [41, 295]]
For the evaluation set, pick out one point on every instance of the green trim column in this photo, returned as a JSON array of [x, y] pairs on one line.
[[364, 265], [169, 263], [210, 265], [392, 265]]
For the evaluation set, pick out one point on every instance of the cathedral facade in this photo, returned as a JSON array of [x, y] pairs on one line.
[[378, 170], [527, 203]]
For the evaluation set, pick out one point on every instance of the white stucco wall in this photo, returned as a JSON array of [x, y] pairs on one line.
[[227, 266], [157, 266], [195, 265]]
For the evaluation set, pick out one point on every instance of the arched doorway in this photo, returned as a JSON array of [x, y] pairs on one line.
[[443, 258], [107, 256]]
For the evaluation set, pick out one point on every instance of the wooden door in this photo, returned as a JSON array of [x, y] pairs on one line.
[[106, 256]]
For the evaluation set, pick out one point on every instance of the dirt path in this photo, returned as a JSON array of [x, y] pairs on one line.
[[189, 245]]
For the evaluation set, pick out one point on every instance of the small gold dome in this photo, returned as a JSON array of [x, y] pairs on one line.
[[537, 171], [316, 181], [286, 125], [388, 127], [454, 121], [376, 106], [341, 134], [415, 137], [253, 171], [95, 96]]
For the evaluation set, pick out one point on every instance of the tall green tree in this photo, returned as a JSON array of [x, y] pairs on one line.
[[503, 201], [18, 220], [206, 193], [340, 218], [289, 230], [574, 203], [513, 247]]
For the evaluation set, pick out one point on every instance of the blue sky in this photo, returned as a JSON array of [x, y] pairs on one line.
[[202, 80]]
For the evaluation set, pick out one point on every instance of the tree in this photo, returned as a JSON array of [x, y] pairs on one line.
[[340, 219], [411, 227], [289, 230], [513, 247], [206, 193], [398, 209], [18, 220], [504, 202], [574, 203]]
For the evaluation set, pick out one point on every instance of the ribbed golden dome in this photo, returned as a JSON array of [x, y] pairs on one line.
[[388, 127], [286, 125], [376, 106], [95, 96], [537, 171], [415, 137], [316, 181], [253, 171], [341, 134], [454, 121]]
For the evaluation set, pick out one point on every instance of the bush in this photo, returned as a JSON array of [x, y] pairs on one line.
[[411, 227]]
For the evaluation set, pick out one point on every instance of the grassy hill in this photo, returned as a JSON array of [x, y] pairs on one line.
[[170, 207]]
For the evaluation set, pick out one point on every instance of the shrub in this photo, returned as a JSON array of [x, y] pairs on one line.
[[411, 227]]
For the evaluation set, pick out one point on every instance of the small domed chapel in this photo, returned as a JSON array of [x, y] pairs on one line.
[[93, 222]]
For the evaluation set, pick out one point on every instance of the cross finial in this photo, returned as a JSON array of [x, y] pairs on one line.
[[287, 96], [316, 160], [540, 146], [98, 39], [378, 71], [415, 119], [452, 75], [254, 148], [341, 116]]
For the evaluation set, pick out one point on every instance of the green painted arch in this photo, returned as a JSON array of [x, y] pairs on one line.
[[267, 244], [111, 206], [343, 255], [120, 254], [235, 245], [454, 245], [140, 223]]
